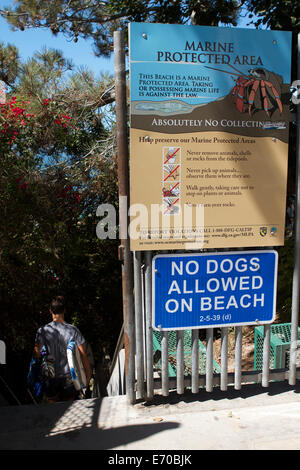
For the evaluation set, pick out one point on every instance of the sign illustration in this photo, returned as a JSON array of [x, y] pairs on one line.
[[209, 128]]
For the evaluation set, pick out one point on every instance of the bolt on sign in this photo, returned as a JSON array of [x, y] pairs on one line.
[[209, 136]]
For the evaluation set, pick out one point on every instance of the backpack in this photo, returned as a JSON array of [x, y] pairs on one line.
[[41, 370]]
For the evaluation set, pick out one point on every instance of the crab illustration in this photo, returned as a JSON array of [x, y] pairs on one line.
[[260, 89]]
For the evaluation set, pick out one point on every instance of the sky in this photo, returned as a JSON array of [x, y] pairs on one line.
[[32, 40]]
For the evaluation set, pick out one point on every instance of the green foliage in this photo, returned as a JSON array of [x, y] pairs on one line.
[[9, 63], [282, 14], [284, 281], [56, 166]]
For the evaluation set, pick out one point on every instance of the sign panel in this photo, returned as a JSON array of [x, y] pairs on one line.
[[214, 289], [209, 136]]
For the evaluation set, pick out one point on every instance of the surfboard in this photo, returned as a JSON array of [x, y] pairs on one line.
[[76, 366]]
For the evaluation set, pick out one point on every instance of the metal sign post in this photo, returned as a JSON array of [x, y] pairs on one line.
[[2, 352], [296, 274]]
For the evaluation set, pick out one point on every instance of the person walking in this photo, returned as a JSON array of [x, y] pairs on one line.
[[55, 337]]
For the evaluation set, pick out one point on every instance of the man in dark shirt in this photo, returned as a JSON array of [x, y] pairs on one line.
[[55, 336]]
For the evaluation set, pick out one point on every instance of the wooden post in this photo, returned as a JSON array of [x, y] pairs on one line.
[[124, 250]]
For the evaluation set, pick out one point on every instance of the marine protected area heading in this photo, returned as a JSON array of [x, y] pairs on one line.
[[208, 52]]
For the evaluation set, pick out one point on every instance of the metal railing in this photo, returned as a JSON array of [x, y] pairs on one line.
[[147, 381], [119, 346]]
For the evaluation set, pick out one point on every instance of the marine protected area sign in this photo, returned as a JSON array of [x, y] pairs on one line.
[[209, 127], [214, 289]]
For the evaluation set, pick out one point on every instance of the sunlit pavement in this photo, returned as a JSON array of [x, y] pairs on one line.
[[252, 418]]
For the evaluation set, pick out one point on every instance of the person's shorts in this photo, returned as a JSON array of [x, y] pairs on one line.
[[61, 389]]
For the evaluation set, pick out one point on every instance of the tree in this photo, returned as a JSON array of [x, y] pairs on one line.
[[9, 63], [274, 14], [57, 165], [98, 19]]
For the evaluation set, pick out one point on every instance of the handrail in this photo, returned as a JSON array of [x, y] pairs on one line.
[[10, 390], [119, 346]]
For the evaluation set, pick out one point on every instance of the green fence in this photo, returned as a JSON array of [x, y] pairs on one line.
[[280, 340], [172, 341]]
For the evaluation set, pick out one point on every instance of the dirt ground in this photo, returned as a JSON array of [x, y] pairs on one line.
[[247, 348]]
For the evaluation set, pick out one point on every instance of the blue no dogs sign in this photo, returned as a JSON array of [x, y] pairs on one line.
[[214, 289]]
